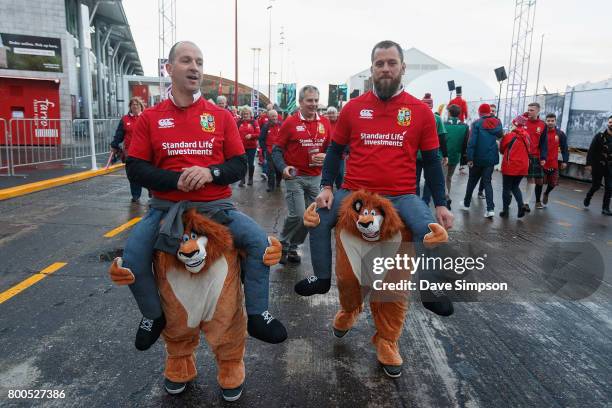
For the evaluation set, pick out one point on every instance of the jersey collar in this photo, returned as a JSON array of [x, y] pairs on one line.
[[196, 96], [302, 118], [399, 91]]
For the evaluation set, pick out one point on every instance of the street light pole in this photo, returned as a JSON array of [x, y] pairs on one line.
[[270, 50], [236, 52]]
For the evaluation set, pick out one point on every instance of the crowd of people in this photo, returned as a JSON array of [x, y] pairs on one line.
[[381, 141]]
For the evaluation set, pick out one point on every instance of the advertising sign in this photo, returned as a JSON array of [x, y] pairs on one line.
[[31, 53]]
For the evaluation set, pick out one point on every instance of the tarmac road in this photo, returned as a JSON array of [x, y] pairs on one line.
[[73, 330]]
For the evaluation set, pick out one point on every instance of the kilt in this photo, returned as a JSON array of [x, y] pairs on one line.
[[551, 177], [535, 168]]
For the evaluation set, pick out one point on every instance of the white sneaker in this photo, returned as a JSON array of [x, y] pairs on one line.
[[489, 214], [465, 208]]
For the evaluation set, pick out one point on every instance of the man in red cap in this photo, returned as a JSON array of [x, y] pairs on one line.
[[459, 101], [482, 156]]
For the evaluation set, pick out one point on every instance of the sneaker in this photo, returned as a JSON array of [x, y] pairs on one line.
[[266, 328], [504, 214], [392, 371], [526, 208], [521, 212], [293, 256], [135, 200], [339, 333], [481, 196], [437, 302], [148, 332], [465, 207], [489, 214], [174, 388], [284, 256], [312, 286], [241, 184], [232, 394], [264, 176], [587, 201], [539, 206], [606, 212], [545, 199]]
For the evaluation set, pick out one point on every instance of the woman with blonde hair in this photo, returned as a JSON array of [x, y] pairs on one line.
[[249, 133]]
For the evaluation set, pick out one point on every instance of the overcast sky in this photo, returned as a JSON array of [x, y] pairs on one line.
[[327, 41]]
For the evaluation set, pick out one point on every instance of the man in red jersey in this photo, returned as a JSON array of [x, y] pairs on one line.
[[557, 141], [538, 150], [187, 149], [383, 129], [299, 153], [460, 102]]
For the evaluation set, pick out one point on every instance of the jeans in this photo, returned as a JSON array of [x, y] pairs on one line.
[[301, 192], [251, 161], [511, 187], [247, 234], [411, 209], [483, 174], [274, 176]]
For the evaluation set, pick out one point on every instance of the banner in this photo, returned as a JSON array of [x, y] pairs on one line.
[[30, 53], [286, 97], [338, 95]]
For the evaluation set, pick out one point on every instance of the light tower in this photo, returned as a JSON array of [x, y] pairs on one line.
[[167, 34], [520, 55]]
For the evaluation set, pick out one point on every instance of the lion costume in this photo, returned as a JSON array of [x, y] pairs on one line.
[[368, 226], [200, 290]]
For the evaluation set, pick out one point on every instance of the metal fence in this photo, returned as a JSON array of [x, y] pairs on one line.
[[31, 142]]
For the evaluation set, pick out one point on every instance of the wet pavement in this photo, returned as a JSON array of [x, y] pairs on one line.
[[73, 330]]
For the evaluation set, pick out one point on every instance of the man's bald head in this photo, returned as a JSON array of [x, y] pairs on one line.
[[175, 48]]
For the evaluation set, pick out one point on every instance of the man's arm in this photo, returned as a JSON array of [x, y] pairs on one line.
[[147, 175], [331, 165], [592, 151], [119, 136], [563, 145], [277, 158], [230, 171], [544, 144], [434, 177], [262, 137], [472, 141]]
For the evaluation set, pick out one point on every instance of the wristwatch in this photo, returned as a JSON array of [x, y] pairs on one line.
[[216, 172], [325, 188]]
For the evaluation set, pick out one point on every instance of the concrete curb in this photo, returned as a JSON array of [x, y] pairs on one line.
[[29, 188]]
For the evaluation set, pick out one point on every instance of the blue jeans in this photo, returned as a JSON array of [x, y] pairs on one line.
[[411, 209], [483, 174], [251, 160], [247, 234]]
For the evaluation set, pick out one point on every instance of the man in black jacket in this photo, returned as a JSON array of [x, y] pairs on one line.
[[599, 163]]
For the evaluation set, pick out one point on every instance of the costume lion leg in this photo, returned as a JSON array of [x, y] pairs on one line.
[[389, 321], [180, 353], [226, 334], [349, 291]]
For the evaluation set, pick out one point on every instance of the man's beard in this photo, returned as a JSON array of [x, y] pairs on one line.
[[386, 91]]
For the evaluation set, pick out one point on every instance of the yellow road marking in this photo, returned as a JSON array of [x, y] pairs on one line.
[[122, 228], [564, 224], [567, 205], [20, 287]]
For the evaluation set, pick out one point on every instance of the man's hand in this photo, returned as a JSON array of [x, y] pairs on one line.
[[563, 166], [248, 137], [318, 159], [542, 162], [444, 217], [194, 178], [470, 164], [325, 198], [445, 161], [287, 172]]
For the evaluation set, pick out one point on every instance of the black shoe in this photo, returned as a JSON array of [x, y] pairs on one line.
[[392, 371], [606, 212], [174, 388], [232, 394], [241, 184], [504, 214], [148, 332], [481, 196], [269, 190], [448, 204], [250, 182], [284, 256], [312, 286], [526, 207], [521, 212], [587, 201], [135, 200], [437, 302], [293, 257], [266, 328]]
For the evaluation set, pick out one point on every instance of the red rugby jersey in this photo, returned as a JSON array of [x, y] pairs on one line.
[[299, 139], [535, 129], [272, 137], [248, 127], [173, 138], [129, 122], [383, 138], [552, 160]]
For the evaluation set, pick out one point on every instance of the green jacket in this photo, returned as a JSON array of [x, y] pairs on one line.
[[441, 130], [456, 138]]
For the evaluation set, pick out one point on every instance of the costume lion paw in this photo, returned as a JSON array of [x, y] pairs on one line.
[[273, 252], [311, 217], [437, 235], [120, 275]]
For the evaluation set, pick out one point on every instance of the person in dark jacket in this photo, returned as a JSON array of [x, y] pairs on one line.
[[599, 163], [515, 164], [556, 141], [457, 134], [482, 156], [123, 134]]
